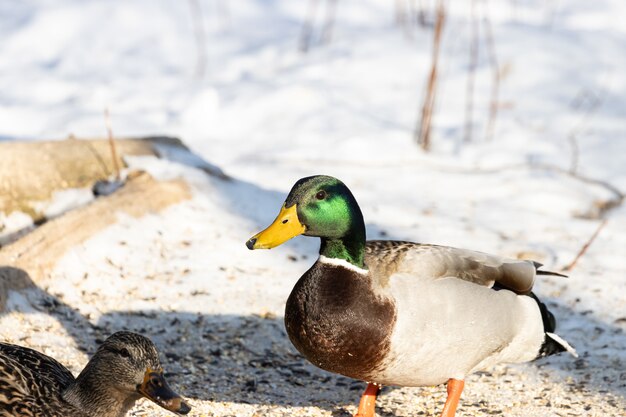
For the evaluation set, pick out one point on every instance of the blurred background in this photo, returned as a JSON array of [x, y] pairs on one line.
[[516, 81]]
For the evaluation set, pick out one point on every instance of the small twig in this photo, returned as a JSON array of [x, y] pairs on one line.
[[582, 251], [471, 73], [600, 210], [618, 193], [107, 122], [422, 134]]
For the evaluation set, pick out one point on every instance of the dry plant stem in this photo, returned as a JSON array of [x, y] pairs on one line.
[[620, 196], [496, 76], [471, 73], [307, 27], [107, 121], [616, 201], [572, 137], [200, 37], [583, 250], [423, 133], [327, 32]]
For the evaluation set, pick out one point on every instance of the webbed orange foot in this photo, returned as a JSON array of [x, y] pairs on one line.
[[368, 401], [455, 388]]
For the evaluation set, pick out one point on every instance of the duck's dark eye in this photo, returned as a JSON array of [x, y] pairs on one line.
[[124, 353], [320, 195]]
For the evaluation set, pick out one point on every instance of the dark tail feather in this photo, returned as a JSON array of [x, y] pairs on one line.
[[552, 344], [549, 322], [556, 274]]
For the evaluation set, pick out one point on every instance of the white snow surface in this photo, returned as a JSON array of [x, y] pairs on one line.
[[63, 201], [269, 114]]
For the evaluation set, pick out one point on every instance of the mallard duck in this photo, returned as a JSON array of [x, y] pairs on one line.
[[403, 313], [125, 368]]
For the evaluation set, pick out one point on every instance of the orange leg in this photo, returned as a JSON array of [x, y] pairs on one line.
[[455, 388], [368, 401]]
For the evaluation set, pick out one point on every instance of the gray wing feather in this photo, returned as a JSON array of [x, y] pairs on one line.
[[389, 257]]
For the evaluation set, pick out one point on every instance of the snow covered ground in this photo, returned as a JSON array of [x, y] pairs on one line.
[[268, 114]]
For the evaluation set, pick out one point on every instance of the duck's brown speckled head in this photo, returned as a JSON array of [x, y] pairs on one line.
[[127, 365]]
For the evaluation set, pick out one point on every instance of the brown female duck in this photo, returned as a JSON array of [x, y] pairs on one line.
[[125, 368]]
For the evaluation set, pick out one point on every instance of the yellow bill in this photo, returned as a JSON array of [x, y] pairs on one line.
[[286, 226]]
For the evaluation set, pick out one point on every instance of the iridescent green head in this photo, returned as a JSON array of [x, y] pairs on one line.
[[319, 206]]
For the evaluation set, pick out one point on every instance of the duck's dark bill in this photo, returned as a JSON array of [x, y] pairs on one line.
[[155, 388], [286, 226]]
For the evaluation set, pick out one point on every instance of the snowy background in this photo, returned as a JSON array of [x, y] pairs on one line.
[[230, 79]]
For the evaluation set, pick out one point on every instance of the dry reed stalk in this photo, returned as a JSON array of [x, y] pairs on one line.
[[422, 134], [107, 122], [495, 77], [471, 73], [582, 251]]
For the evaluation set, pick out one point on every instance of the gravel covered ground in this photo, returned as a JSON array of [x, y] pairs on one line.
[[244, 366], [218, 322]]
